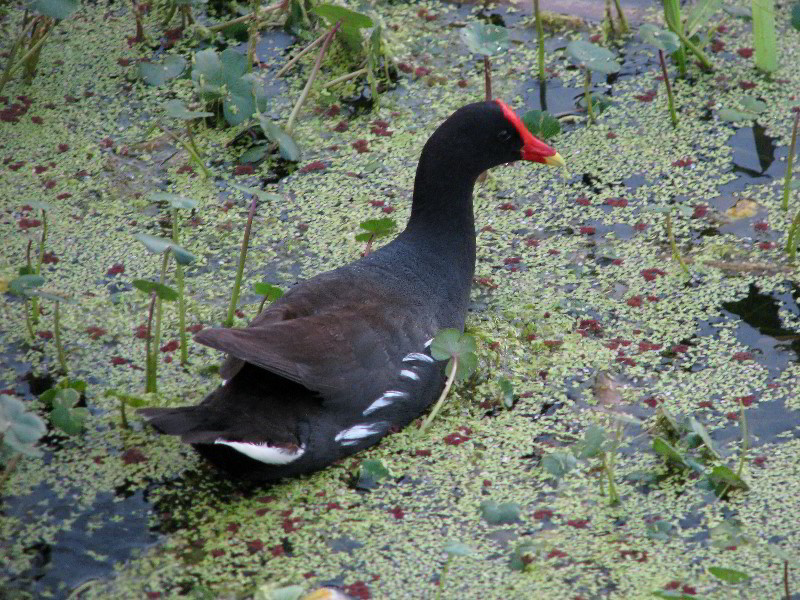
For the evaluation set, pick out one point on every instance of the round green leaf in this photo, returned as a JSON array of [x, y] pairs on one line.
[[661, 39], [467, 363], [286, 144], [254, 154], [160, 73], [729, 575], [174, 201], [729, 114], [486, 39], [753, 105], [25, 284], [541, 124], [451, 342], [559, 464], [379, 226], [178, 110], [57, 9], [40, 205], [370, 472], [159, 245], [162, 291], [593, 57], [500, 514], [458, 549], [261, 194], [272, 292], [348, 18]]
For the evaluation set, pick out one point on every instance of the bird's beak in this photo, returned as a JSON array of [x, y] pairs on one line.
[[555, 160]]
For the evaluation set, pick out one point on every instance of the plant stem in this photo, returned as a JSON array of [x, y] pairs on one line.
[[676, 255], [300, 55], [245, 18], [9, 468], [670, 99], [28, 322], [123, 417], [62, 359], [445, 568], [368, 247], [487, 77], [309, 83], [540, 38], [252, 36], [672, 15], [7, 72], [194, 156], [440, 401], [157, 333], [745, 439], [150, 376], [40, 258], [347, 77], [786, 579], [787, 180], [701, 56], [610, 18], [791, 243], [587, 94], [624, 27], [608, 462], [181, 299], [240, 269]]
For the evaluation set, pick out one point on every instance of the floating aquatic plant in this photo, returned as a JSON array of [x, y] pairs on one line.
[[374, 229], [675, 22], [591, 57], [177, 203], [24, 286], [269, 291], [158, 292], [19, 432], [486, 40], [157, 74], [41, 17], [63, 400], [453, 551], [664, 41], [237, 284], [125, 400], [458, 349]]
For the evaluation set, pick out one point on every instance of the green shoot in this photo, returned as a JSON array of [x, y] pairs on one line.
[[453, 550], [764, 36], [237, 284], [373, 229], [487, 40], [459, 350], [787, 180], [539, 38]]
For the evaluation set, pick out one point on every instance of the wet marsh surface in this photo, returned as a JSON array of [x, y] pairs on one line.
[[577, 302]]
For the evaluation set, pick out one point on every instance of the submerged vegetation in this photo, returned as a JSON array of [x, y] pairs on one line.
[[620, 416]]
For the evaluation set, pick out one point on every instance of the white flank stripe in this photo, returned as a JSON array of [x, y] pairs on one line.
[[352, 435], [265, 453], [409, 374], [385, 400], [417, 356], [428, 343]]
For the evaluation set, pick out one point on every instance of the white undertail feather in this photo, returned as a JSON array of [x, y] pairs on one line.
[[271, 455], [352, 435], [418, 356], [385, 400]]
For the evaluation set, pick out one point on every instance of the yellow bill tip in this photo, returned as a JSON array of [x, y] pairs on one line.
[[555, 160]]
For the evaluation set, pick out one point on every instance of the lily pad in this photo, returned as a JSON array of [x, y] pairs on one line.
[[159, 73], [162, 291], [541, 124], [753, 105], [56, 9], [559, 464], [178, 110], [262, 195], [729, 114], [458, 549], [486, 39], [500, 514], [158, 245], [450, 344], [65, 415], [370, 473], [272, 292], [24, 284], [376, 228], [174, 200], [662, 39], [593, 57], [286, 144], [20, 428]]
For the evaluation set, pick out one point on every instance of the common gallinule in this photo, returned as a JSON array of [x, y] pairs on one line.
[[342, 358]]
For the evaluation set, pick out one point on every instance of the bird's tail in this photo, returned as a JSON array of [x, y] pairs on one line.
[[189, 422]]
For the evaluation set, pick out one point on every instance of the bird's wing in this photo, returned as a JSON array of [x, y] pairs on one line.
[[351, 348]]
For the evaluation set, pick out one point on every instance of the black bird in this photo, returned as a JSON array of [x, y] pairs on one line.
[[330, 367]]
